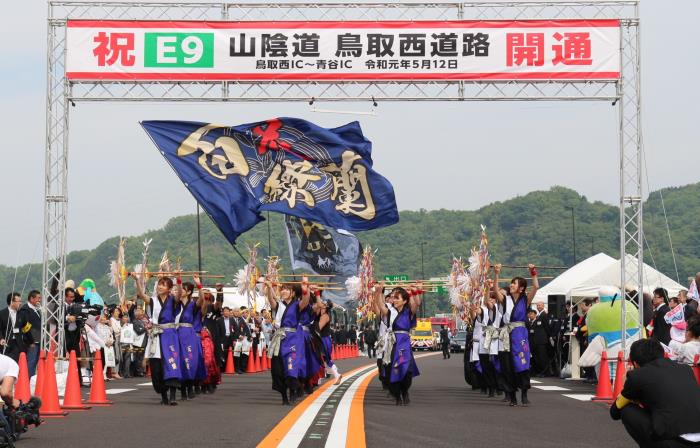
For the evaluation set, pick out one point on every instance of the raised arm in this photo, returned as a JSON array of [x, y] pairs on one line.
[[270, 295], [494, 286], [535, 284], [416, 298], [306, 292], [378, 300], [139, 292]]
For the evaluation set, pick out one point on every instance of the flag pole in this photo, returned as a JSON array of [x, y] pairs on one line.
[[199, 242], [269, 236]]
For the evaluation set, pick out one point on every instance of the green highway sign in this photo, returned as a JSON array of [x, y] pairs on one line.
[[396, 278]]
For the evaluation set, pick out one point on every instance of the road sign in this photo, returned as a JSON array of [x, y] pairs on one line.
[[396, 278]]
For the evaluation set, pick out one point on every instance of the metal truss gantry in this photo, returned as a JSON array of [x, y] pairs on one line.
[[61, 93]]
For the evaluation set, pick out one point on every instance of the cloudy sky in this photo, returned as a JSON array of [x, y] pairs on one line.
[[437, 155]]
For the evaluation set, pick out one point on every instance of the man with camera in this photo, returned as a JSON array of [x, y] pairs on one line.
[[15, 416]]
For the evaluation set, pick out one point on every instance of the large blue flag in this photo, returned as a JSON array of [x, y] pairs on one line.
[[286, 165], [322, 250]]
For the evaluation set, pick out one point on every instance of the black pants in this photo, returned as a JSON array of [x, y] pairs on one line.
[[382, 374], [637, 422], [371, 351], [541, 358], [445, 350], [488, 371], [281, 382], [160, 384]]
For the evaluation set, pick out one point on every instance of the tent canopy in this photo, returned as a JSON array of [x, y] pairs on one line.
[[573, 276], [586, 278]]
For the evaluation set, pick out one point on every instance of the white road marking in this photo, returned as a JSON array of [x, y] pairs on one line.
[[550, 388], [117, 391], [338, 434], [532, 381], [144, 384], [580, 397]]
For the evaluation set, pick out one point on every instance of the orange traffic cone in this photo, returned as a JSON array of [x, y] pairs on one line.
[[696, 368], [339, 352], [22, 391], [603, 391], [230, 369], [620, 374], [333, 352], [98, 394], [251, 363], [39, 384], [265, 360], [258, 367], [72, 398], [49, 393]]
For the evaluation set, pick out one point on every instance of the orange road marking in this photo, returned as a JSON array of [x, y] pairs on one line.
[[356, 423]]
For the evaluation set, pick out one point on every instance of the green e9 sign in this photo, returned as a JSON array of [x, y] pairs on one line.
[[179, 50]]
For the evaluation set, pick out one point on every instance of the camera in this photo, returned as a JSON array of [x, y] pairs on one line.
[[83, 311], [15, 422]]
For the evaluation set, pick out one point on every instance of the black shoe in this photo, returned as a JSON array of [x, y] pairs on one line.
[[173, 403], [405, 398], [398, 401]]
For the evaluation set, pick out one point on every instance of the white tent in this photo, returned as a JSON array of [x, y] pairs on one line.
[[573, 276], [586, 278], [611, 276]]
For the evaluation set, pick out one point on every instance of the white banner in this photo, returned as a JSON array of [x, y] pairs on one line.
[[449, 50]]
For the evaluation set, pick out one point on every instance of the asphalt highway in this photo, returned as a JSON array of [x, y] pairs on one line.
[[245, 412]]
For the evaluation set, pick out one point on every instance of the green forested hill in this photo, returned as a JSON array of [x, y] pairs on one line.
[[532, 228]]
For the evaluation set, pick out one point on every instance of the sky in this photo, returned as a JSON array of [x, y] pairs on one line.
[[458, 156]]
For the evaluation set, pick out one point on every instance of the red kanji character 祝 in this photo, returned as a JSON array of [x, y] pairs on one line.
[[525, 49], [575, 49], [114, 46]]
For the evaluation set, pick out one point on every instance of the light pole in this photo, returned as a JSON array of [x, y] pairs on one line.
[[422, 276], [573, 230]]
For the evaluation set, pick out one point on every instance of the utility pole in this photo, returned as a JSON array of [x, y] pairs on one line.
[[573, 231], [422, 276]]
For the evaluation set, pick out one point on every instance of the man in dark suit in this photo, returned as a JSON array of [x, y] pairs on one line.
[[540, 339], [225, 335], [10, 336], [660, 402], [370, 337], [444, 342], [241, 332], [662, 330], [29, 322]]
